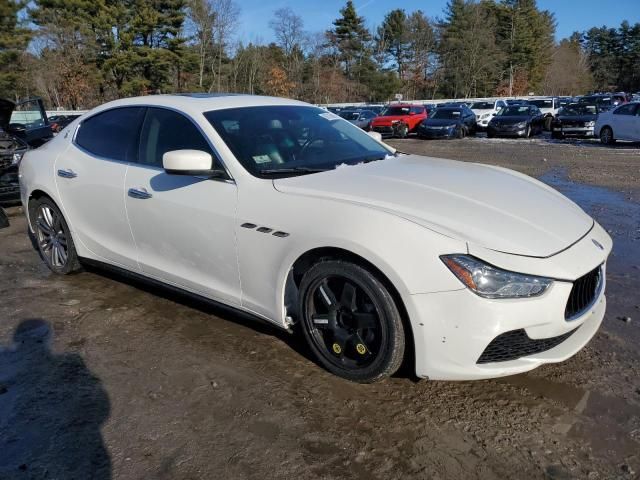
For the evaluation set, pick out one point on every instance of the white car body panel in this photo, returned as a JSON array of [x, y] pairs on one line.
[[625, 127], [398, 214]]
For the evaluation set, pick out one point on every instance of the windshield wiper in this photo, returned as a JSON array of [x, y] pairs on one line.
[[272, 171]]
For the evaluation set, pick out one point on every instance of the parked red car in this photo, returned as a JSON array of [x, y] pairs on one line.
[[399, 120]]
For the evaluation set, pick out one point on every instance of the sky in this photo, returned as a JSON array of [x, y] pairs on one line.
[[571, 15]]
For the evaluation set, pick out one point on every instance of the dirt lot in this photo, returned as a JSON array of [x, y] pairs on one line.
[[104, 378]]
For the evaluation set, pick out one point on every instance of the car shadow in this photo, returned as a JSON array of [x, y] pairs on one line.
[[52, 408], [294, 340]]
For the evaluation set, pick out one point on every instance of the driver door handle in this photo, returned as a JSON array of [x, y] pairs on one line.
[[140, 193], [67, 173]]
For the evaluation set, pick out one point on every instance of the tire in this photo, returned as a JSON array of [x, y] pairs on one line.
[[557, 136], [460, 134], [402, 130], [547, 123], [490, 134], [350, 321], [53, 237], [606, 136]]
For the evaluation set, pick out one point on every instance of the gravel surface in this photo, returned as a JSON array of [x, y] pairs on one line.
[[103, 377]]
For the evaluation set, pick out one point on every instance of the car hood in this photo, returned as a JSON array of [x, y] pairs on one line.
[[386, 120], [510, 120], [481, 111], [6, 109], [487, 206], [440, 122]]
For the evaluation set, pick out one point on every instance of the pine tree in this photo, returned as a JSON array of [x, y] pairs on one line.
[[393, 39], [14, 39], [349, 38]]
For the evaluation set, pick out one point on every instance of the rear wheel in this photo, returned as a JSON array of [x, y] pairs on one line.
[[54, 238], [606, 136], [460, 133], [350, 321]]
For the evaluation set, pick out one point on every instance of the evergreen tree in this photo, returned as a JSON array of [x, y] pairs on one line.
[[393, 38], [14, 39], [350, 38]]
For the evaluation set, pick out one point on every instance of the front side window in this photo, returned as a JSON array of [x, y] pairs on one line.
[[628, 109], [112, 134], [446, 114], [289, 140], [396, 111], [165, 130], [417, 110]]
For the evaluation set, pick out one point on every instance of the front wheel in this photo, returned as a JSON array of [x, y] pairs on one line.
[[53, 238], [402, 130], [350, 321], [606, 136]]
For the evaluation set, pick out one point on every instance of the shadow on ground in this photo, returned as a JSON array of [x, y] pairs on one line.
[[51, 411]]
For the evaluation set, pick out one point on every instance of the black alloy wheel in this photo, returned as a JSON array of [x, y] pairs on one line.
[[350, 321], [402, 130], [606, 136]]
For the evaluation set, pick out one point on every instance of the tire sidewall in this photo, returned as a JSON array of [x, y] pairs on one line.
[[392, 350]]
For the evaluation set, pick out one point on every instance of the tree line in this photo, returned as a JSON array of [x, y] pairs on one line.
[[79, 53]]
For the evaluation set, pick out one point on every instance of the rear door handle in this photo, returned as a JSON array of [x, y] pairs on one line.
[[140, 193], [67, 173]]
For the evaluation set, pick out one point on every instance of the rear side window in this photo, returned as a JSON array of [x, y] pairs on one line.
[[112, 134], [166, 130], [417, 110]]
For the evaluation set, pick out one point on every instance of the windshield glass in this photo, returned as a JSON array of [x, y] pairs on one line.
[[350, 115], [542, 103], [575, 110], [394, 111], [448, 114], [482, 105], [515, 110], [596, 100], [291, 140]]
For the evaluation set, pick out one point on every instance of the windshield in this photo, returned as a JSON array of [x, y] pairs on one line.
[[482, 106], [447, 114], [596, 100], [576, 110], [515, 111], [291, 140], [395, 111], [542, 103], [350, 115]]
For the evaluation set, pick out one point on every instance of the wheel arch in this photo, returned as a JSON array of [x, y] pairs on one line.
[[318, 254], [36, 194]]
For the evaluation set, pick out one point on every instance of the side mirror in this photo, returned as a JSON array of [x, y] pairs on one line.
[[190, 162], [375, 135]]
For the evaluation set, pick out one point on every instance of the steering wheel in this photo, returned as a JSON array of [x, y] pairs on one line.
[[307, 144]]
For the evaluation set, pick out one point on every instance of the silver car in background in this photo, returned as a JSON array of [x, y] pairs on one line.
[[360, 118]]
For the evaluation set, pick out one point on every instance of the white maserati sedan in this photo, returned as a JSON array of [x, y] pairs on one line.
[[290, 213]]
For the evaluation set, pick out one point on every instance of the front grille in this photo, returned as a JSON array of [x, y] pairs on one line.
[[383, 129], [584, 292], [517, 344]]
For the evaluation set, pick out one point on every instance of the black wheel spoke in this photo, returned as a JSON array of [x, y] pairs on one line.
[[348, 297], [365, 320], [359, 345], [327, 295], [321, 321]]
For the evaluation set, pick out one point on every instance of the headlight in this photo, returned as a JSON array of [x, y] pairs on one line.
[[521, 125], [590, 124], [491, 282], [17, 158], [485, 115], [394, 121]]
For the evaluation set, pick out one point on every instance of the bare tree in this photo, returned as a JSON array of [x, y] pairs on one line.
[[288, 29], [226, 13], [201, 18]]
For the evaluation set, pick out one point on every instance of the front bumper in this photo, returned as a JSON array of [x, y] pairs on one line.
[[453, 329], [9, 184], [507, 132], [385, 130], [574, 131], [431, 133]]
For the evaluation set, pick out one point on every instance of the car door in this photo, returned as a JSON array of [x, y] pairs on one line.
[[183, 226], [623, 119], [90, 181], [29, 122], [636, 124]]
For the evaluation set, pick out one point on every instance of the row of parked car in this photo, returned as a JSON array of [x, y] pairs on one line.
[[563, 116]]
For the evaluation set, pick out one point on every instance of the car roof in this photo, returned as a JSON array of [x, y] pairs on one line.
[[199, 103]]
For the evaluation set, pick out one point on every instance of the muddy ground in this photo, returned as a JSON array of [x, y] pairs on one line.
[[102, 377]]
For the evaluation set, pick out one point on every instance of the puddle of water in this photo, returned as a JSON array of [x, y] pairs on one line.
[[618, 215]]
